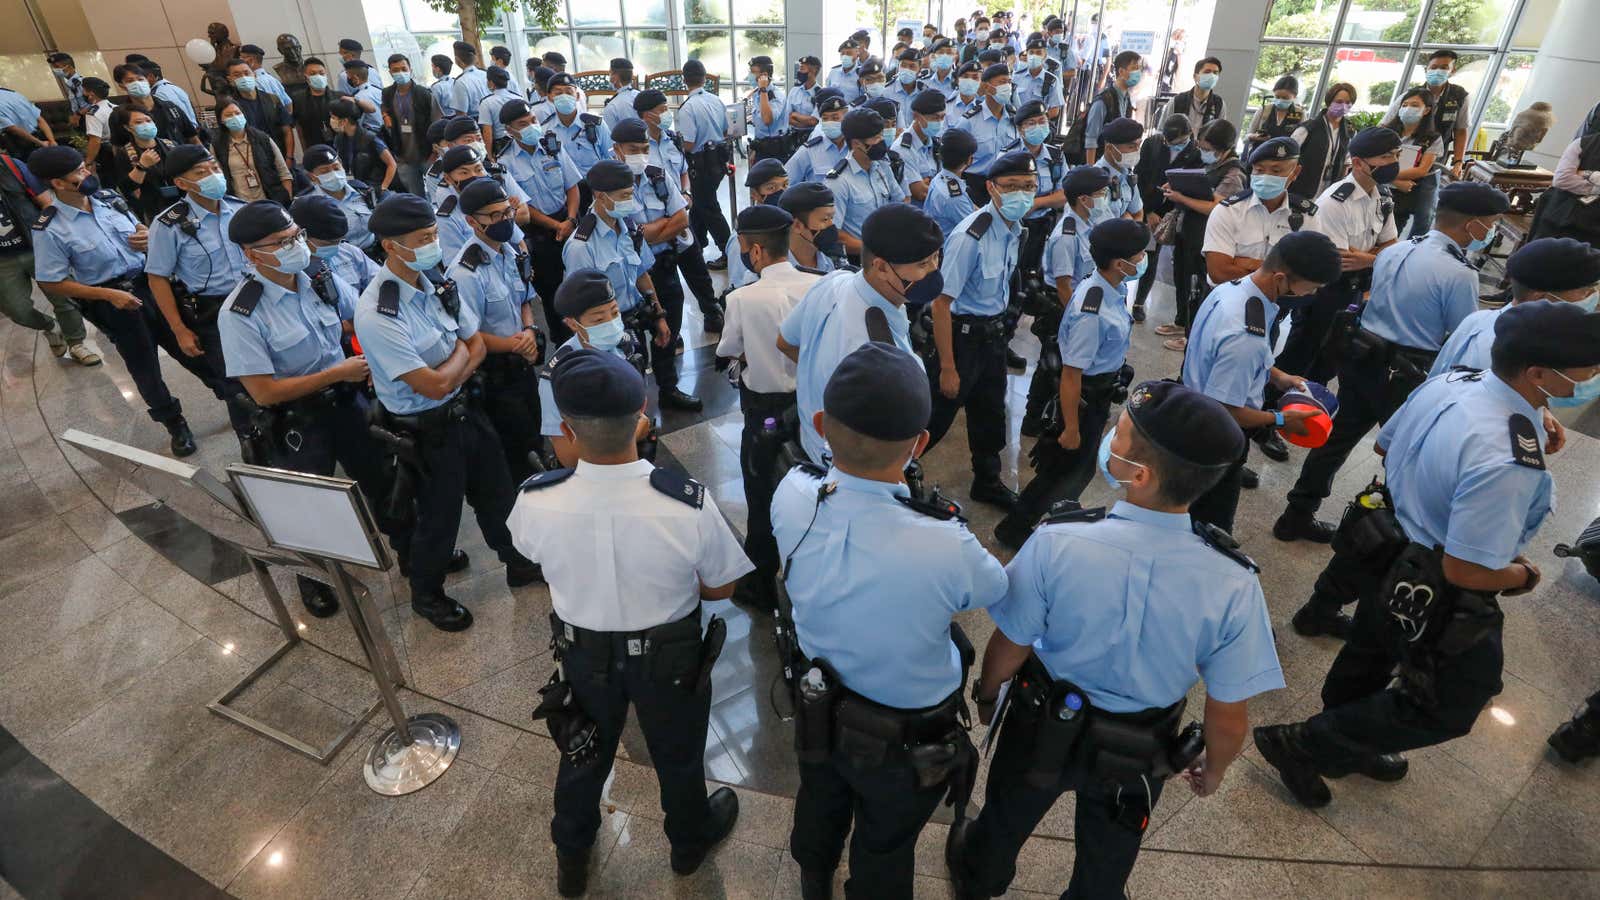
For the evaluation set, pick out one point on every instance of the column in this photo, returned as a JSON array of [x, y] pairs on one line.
[[1564, 75], [803, 19], [1235, 39]]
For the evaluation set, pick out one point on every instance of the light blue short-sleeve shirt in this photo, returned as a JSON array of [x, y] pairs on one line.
[[422, 335], [289, 333], [1421, 290], [1096, 342], [205, 261], [977, 270], [1225, 360]]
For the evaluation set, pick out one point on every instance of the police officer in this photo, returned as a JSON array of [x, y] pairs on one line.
[[1421, 290], [189, 248], [423, 345], [666, 146], [703, 122], [1091, 355], [544, 170], [323, 223], [281, 332], [1465, 485], [843, 77], [920, 144], [355, 197], [927, 567], [1036, 81], [489, 274], [800, 104], [88, 246], [863, 181], [436, 141], [1063, 629], [907, 85], [588, 307], [899, 265], [969, 322], [969, 90], [488, 112], [1119, 152], [1242, 228], [627, 626], [585, 137], [620, 104], [767, 124], [947, 200], [462, 165], [766, 181], [666, 152], [827, 147], [989, 122], [942, 74], [1033, 127], [1229, 358], [814, 239]]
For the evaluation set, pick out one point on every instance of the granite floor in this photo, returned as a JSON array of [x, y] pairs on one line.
[[119, 621]]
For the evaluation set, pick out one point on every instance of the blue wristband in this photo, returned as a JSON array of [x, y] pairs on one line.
[[1277, 417]]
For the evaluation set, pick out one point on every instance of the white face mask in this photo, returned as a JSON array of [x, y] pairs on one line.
[[637, 162]]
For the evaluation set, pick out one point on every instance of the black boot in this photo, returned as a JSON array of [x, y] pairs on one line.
[[318, 597], [1249, 479], [572, 873], [1386, 767], [713, 320], [1579, 738], [1012, 531], [1013, 361], [724, 804], [458, 562], [816, 884], [182, 438], [1299, 525], [443, 612], [1273, 447], [1280, 747], [672, 398], [1032, 423], [994, 492], [520, 572], [955, 861], [1321, 619]]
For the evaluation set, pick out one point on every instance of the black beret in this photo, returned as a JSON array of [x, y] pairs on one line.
[[1310, 255], [970, 67], [251, 50], [514, 110], [959, 144], [318, 155], [759, 62], [582, 290], [831, 103], [1547, 333], [179, 160], [810, 61], [1374, 141], [762, 217], [352, 45], [900, 233], [873, 66], [908, 56], [460, 127], [321, 216], [609, 175], [764, 171], [1472, 198], [557, 79], [400, 213], [621, 63], [436, 130], [694, 68], [1121, 131], [862, 123], [60, 160], [630, 131], [357, 64], [928, 102], [1027, 111], [846, 44], [644, 101], [1554, 264], [1117, 238], [861, 33], [802, 198], [1017, 162], [995, 71], [460, 155], [940, 44], [1186, 423], [1037, 42], [256, 220], [883, 106], [1085, 180], [481, 192], [1276, 149], [595, 383], [879, 391]]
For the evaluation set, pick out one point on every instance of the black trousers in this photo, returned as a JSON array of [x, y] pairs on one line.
[[705, 211], [980, 358], [1013, 808], [131, 331], [669, 290], [511, 400], [461, 459], [692, 264], [1305, 349], [1368, 396], [202, 320], [1219, 505], [880, 808], [758, 462], [1063, 474], [544, 252], [674, 722], [1189, 281]]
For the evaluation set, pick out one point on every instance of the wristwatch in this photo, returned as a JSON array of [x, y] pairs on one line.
[[1277, 418]]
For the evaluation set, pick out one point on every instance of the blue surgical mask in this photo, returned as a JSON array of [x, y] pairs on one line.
[[847, 62], [331, 181], [1134, 77], [605, 335], [1436, 77], [1179, 148], [832, 129], [1478, 244], [293, 258], [968, 87], [566, 104], [1208, 156], [906, 76], [1035, 134], [401, 77], [666, 121], [621, 209], [1102, 461], [933, 128], [1100, 210], [1268, 187], [1138, 272], [213, 186], [531, 134], [1410, 115], [1015, 204], [1002, 94], [326, 251], [750, 79], [320, 82], [145, 131], [1589, 303], [873, 90], [233, 123], [889, 134], [245, 83], [1283, 102], [1035, 63], [1582, 391], [943, 62], [140, 88], [426, 257], [1206, 82]]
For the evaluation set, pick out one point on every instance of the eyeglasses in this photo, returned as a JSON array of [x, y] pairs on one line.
[[494, 218], [282, 244]]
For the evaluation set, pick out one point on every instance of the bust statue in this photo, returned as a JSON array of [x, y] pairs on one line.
[[289, 70], [214, 77]]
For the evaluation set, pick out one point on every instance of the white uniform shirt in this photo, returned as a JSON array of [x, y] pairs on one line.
[[1352, 223], [620, 555], [1247, 228], [97, 120], [754, 313]]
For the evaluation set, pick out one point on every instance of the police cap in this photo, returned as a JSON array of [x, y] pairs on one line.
[[256, 220], [59, 161], [1017, 162], [1186, 423], [557, 79], [809, 60], [830, 102], [1310, 255], [481, 192], [694, 68], [582, 290], [995, 71], [883, 106], [1029, 110], [928, 102], [764, 171], [458, 156], [460, 127], [879, 391], [320, 216], [761, 218], [362, 64], [1374, 141], [970, 67], [862, 123], [436, 130], [644, 101], [990, 58], [1276, 149], [1473, 198], [959, 145], [630, 131], [593, 383], [1546, 333], [350, 45], [400, 213], [873, 66], [513, 110], [1117, 238], [908, 56], [1036, 42], [802, 198], [318, 155], [939, 44], [900, 233], [1121, 131], [179, 160], [1554, 264], [609, 175]]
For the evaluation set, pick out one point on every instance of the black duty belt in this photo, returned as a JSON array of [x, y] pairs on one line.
[[639, 643], [328, 398], [983, 327], [757, 401], [449, 413], [900, 728]]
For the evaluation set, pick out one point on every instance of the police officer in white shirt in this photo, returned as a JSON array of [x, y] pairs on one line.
[[631, 551]]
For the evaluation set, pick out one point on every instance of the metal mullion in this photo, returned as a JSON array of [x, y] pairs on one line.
[[1497, 65]]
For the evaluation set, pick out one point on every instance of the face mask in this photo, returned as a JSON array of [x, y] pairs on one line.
[[246, 83], [1410, 115], [1138, 271], [907, 76], [968, 87], [59, 73], [1002, 94], [213, 186], [331, 181], [943, 63], [138, 89], [750, 79], [401, 77], [293, 258], [934, 128], [1206, 82], [1337, 110], [89, 186], [1477, 244], [666, 122], [1134, 77], [566, 104], [637, 162], [1436, 77], [1208, 156], [621, 209], [320, 82], [831, 129], [847, 62], [426, 257], [500, 232], [1100, 210], [327, 251], [1589, 303], [889, 134], [234, 123], [607, 334], [873, 90], [1386, 174], [1283, 102], [827, 240], [1178, 148], [1035, 63], [878, 151], [1015, 204], [145, 131], [531, 134], [772, 198], [1055, 40], [1102, 461], [744, 259], [922, 290], [1268, 187], [1582, 391]]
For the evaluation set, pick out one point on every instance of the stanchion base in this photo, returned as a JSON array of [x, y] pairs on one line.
[[394, 767]]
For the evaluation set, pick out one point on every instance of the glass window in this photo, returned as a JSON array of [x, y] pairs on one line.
[[595, 50], [714, 48], [1373, 73], [651, 52], [752, 42], [1301, 19], [385, 15], [757, 12], [1468, 21], [1535, 23], [705, 12], [1303, 61], [1381, 20], [1506, 101], [645, 12], [596, 12], [542, 42], [421, 17]]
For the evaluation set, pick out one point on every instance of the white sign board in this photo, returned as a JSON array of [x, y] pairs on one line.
[[1140, 42], [310, 514]]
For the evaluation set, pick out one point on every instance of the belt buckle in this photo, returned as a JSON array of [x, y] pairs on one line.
[[636, 646], [966, 328]]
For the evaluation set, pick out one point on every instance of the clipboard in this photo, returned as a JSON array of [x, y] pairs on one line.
[[1191, 183]]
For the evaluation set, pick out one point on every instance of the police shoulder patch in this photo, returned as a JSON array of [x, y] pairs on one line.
[[972, 110], [1237, 198], [249, 294], [1223, 543], [474, 257], [1344, 191], [1525, 449], [811, 468], [980, 225], [936, 506], [172, 215], [44, 219], [954, 186], [1255, 316], [585, 227], [1072, 511], [546, 479], [589, 118], [448, 206], [548, 370], [681, 488], [905, 140], [1011, 146], [877, 324], [389, 298], [1069, 225], [815, 141], [1092, 299]]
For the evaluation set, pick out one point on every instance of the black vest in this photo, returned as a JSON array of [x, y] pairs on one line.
[[359, 154], [261, 149], [1560, 213], [1320, 141], [1184, 103]]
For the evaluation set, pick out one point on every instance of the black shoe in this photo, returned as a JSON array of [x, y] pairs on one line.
[[1297, 525], [1249, 479], [1299, 776], [955, 861], [182, 438], [720, 264], [993, 492], [672, 398], [1012, 532], [444, 613], [572, 873], [319, 598], [1032, 424], [1273, 447], [1138, 312], [1388, 767], [724, 811], [1577, 739], [816, 884], [523, 572], [713, 321], [1014, 361], [458, 562], [1319, 620]]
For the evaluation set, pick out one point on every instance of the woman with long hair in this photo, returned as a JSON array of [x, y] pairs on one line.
[[1420, 148], [138, 154], [250, 159]]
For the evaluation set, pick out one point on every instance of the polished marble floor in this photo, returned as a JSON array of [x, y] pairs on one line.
[[119, 620]]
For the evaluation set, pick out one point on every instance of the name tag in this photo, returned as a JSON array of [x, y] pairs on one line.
[[405, 127]]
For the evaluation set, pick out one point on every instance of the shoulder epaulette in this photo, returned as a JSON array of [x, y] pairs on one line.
[[1071, 511], [585, 227], [1343, 191], [448, 206], [172, 215], [838, 168], [250, 291], [980, 225], [1223, 543], [1011, 146], [1069, 225], [545, 479], [45, 215], [681, 488], [1238, 198], [811, 468], [815, 140], [589, 118], [474, 257], [808, 270], [905, 140], [389, 298], [1255, 316], [972, 110], [547, 371], [877, 323], [954, 186], [1092, 299], [1525, 449], [936, 506]]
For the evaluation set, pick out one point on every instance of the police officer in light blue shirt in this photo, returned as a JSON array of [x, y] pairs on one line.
[[666, 147], [800, 104], [947, 200], [990, 124], [500, 93], [920, 142], [461, 165], [863, 181], [837, 533], [766, 182], [609, 239], [765, 110], [825, 148], [1121, 137], [443, 86], [265, 80], [16, 111], [904, 85], [843, 77], [942, 69], [364, 87], [969, 92], [166, 90], [620, 105], [1035, 81], [356, 198], [471, 85], [587, 305], [325, 225], [1101, 612], [1421, 290], [584, 136]]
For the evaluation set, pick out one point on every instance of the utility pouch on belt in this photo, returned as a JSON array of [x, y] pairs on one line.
[[935, 762], [1416, 598], [572, 730], [710, 649], [817, 698], [1473, 617], [1128, 745], [1368, 530], [864, 736]]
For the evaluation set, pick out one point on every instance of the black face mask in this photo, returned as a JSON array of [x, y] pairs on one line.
[[826, 241], [878, 151], [1386, 174], [923, 290], [772, 198], [1290, 302]]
